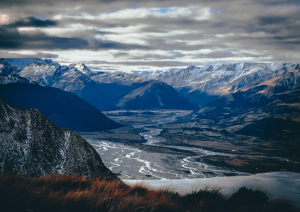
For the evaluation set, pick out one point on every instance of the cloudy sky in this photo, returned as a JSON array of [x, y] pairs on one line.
[[151, 34]]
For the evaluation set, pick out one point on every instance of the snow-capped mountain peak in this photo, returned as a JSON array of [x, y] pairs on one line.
[[7, 68], [23, 62], [82, 68]]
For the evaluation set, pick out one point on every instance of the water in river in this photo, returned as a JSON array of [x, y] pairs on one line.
[[133, 163]]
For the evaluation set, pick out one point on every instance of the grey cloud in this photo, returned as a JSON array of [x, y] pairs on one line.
[[225, 54], [12, 39], [272, 20], [5, 54], [240, 25], [142, 63], [32, 22]]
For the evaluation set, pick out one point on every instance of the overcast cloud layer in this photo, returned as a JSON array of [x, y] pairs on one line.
[[156, 34]]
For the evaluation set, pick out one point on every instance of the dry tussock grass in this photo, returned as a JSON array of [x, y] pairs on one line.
[[74, 194]]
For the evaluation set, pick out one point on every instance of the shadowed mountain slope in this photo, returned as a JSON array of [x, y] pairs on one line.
[[32, 145], [7, 68], [65, 109], [155, 94]]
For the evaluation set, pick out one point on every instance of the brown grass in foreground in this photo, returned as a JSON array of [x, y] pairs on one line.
[[74, 194]]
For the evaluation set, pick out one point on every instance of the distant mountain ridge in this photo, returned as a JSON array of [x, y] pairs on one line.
[[108, 91], [155, 94], [22, 62], [102, 90], [65, 109], [69, 79], [204, 84], [252, 99], [267, 110], [7, 68], [32, 145], [12, 78]]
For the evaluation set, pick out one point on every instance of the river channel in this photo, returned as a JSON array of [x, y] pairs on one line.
[[131, 163]]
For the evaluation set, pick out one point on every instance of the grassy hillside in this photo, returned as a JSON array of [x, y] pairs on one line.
[[73, 193]]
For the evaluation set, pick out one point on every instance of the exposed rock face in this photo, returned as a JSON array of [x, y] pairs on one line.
[[33, 146], [82, 68], [22, 62], [155, 94], [117, 78], [11, 78], [65, 109], [68, 79], [7, 68]]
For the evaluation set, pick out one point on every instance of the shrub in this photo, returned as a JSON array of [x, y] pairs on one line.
[[247, 198]]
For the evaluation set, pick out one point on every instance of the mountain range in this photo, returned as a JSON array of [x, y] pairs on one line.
[[269, 110], [204, 84], [261, 100], [22, 62], [105, 91]]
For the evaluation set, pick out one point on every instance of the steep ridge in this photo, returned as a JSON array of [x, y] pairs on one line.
[[155, 94], [118, 85], [11, 78], [68, 79], [33, 146], [65, 109], [118, 78], [82, 68], [7, 68], [149, 75], [22, 62]]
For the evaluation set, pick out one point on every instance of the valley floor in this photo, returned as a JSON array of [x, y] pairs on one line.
[[165, 140]]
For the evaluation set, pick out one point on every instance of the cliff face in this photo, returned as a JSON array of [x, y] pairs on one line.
[[30, 144]]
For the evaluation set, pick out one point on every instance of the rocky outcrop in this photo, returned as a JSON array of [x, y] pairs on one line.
[[11, 78], [32, 145], [7, 68]]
